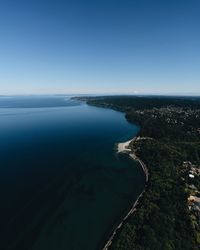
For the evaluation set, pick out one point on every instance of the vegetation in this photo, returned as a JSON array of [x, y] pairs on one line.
[[141, 102], [162, 220]]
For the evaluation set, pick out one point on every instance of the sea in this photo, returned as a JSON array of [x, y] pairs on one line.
[[62, 184]]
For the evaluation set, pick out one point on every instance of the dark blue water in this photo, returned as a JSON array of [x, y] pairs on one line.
[[62, 186]]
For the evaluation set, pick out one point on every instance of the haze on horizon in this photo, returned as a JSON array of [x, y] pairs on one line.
[[100, 47]]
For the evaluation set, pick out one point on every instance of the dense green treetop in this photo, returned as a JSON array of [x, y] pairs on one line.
[[162, 220]]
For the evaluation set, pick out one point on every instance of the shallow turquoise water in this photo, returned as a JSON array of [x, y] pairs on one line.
[[62, 185]]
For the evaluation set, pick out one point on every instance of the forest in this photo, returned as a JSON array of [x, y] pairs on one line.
[[162, 220]]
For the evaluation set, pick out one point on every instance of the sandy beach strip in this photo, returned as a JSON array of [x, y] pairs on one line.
[[124, 147]]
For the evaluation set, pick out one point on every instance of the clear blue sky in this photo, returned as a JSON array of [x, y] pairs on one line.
[[99, 46]]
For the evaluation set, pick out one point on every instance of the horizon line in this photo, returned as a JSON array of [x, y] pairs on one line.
[[105, 94]]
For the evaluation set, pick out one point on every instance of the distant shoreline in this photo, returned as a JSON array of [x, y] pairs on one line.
[[124, 148]]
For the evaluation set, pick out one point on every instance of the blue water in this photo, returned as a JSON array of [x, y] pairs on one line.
[[62, 186]]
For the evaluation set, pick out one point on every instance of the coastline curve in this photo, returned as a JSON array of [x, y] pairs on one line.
[[124, 148]]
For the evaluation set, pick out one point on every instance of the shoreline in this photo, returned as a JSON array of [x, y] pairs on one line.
[[124, 148]]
